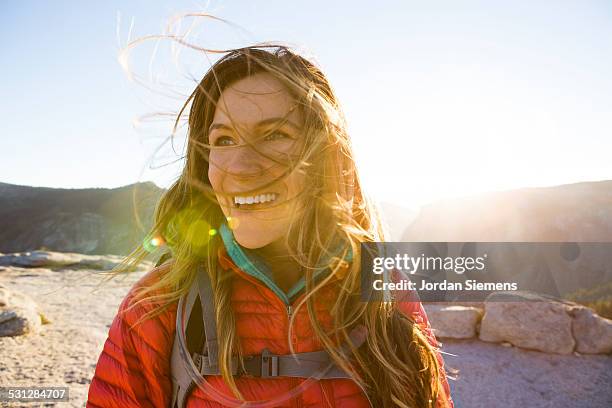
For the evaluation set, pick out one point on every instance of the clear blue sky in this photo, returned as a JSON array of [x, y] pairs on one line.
[[443, 98]]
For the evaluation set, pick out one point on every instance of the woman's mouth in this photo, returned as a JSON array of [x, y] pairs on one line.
[[254, 201]]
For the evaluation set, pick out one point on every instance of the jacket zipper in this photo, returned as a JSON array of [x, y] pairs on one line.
[[293, 335], [283, 300], [289, 311], [296, 402]]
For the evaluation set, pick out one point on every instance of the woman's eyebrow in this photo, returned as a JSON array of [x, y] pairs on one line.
[[280, 121], [269, 121], [218, 126]]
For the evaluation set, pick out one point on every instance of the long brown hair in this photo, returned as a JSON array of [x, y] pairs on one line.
[[397, 366]]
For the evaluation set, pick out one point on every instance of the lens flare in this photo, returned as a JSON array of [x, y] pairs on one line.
[[188, 226], [198, 234], [151, 244]]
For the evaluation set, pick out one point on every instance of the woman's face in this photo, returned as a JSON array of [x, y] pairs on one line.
[[255, 122]]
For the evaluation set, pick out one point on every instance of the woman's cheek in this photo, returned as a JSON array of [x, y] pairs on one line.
[[216, 184], [214, 175]]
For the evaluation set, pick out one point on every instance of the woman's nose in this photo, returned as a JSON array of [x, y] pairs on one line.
[[246, 162]]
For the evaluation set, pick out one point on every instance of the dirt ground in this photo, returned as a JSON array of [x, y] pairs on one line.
[[66, 351]]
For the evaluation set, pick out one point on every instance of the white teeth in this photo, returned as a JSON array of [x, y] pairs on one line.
[[262, 198]]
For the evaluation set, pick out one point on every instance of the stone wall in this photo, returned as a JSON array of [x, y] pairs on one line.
[[525, 320]]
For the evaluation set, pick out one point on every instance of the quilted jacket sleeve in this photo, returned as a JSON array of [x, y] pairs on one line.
[[410, 305], [133, 369]]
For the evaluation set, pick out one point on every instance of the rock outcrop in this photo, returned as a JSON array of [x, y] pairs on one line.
[[527, 321], [51, 259], [593, 333], [454, 322], [19, 313]]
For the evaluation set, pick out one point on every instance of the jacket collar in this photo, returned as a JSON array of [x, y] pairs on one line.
[[249, 262]]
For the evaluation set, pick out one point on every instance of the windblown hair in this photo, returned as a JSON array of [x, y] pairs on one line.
[[396, 366]]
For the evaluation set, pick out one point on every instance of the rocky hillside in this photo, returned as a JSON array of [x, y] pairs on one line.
[[97, 221], [580, 212], [90, 221]]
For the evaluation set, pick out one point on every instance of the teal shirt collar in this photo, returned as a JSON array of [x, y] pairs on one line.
[[248, 261]]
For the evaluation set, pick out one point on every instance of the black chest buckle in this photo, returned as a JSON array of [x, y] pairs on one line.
[[264, 365], [269, 364]]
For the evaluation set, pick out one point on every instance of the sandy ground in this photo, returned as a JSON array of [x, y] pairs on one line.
[[495, 376], [65, 352]]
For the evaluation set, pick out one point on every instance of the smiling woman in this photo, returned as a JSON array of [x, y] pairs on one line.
[[264, 227]]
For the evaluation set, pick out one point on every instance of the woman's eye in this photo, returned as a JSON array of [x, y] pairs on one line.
[[224, 141], [277, 136]]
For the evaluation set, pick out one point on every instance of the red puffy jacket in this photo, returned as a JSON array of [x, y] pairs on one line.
[[134, 367]]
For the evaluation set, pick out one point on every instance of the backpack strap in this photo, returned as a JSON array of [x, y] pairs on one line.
[[182, 383], [316, 364], [211, 347]]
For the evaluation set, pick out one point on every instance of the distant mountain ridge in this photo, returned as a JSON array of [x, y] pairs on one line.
[[89, 221], [103, 221], [579, 212]]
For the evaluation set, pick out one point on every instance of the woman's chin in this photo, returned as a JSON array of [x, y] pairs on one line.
[[257, 233], [252, 243], [251, 239]]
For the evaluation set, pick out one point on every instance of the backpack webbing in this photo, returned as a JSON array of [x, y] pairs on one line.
[[316, 364]]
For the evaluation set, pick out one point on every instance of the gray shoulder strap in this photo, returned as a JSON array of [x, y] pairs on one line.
[[208, 315], [181, 380]]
